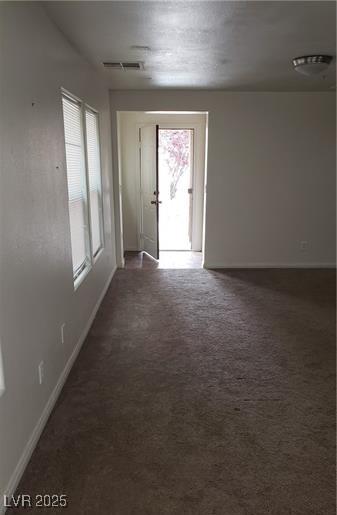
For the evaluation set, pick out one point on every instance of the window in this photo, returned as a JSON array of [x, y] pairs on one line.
[[84, 183], [77, 194], [94, 175]]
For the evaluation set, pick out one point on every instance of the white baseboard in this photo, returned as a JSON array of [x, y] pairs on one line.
[[268, 265], [31, 444]]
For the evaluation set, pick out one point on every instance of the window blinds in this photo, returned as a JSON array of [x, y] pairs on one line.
[[72, 114], [94, 177]]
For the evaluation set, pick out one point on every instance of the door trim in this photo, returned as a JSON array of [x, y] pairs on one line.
[[132, 123]]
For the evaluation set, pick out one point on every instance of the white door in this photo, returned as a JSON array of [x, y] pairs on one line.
[[149, 189]]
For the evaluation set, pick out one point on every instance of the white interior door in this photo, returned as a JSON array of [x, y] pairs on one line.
[[149, 189]]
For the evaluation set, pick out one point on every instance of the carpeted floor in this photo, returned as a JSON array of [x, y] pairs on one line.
[[200, 393]]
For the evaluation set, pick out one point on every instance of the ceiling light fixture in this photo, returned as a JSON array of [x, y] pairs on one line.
[[311, 64]]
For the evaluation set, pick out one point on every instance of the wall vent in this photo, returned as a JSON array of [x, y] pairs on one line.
[[124, 66]]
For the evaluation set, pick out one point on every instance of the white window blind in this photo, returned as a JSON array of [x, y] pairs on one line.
[[94, 177], [76, 175]]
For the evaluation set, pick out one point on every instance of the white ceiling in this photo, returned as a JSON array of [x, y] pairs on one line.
[[237, 45]]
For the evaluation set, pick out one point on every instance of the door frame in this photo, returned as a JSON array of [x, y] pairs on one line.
[[130, 120], [192, 205], [198, 179]]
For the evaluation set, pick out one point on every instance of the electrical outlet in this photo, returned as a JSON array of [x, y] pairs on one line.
[[62, 332], [303, 245], [41, 372]]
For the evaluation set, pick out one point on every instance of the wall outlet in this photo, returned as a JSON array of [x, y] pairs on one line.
[[303, 245], [41, 372], [62, 332]]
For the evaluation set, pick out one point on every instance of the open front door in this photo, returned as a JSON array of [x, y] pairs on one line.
[[149, 189]]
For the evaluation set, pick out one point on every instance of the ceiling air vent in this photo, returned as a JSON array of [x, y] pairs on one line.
[[124, 66]]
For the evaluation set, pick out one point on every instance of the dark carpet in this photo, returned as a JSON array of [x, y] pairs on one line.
[[201, 393]]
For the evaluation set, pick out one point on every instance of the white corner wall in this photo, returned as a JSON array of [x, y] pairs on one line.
[[37, 293], [270, 173]]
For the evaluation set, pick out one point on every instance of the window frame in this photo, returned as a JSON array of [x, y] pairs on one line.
[[91, 257], [95, 255]]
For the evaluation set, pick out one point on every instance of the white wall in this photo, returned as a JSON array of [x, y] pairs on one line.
[[37, 291], [270, 174], [129, 123]]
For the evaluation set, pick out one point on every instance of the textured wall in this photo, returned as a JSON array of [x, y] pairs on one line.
[[270, 175], [37, 291]]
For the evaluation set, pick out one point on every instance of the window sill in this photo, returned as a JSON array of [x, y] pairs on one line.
[[82, 276], [99, 253]]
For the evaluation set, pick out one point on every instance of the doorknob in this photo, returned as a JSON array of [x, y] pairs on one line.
[[156, 201]]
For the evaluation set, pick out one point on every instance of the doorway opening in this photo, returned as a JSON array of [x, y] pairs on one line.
[[175, 182], [162, 175]]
